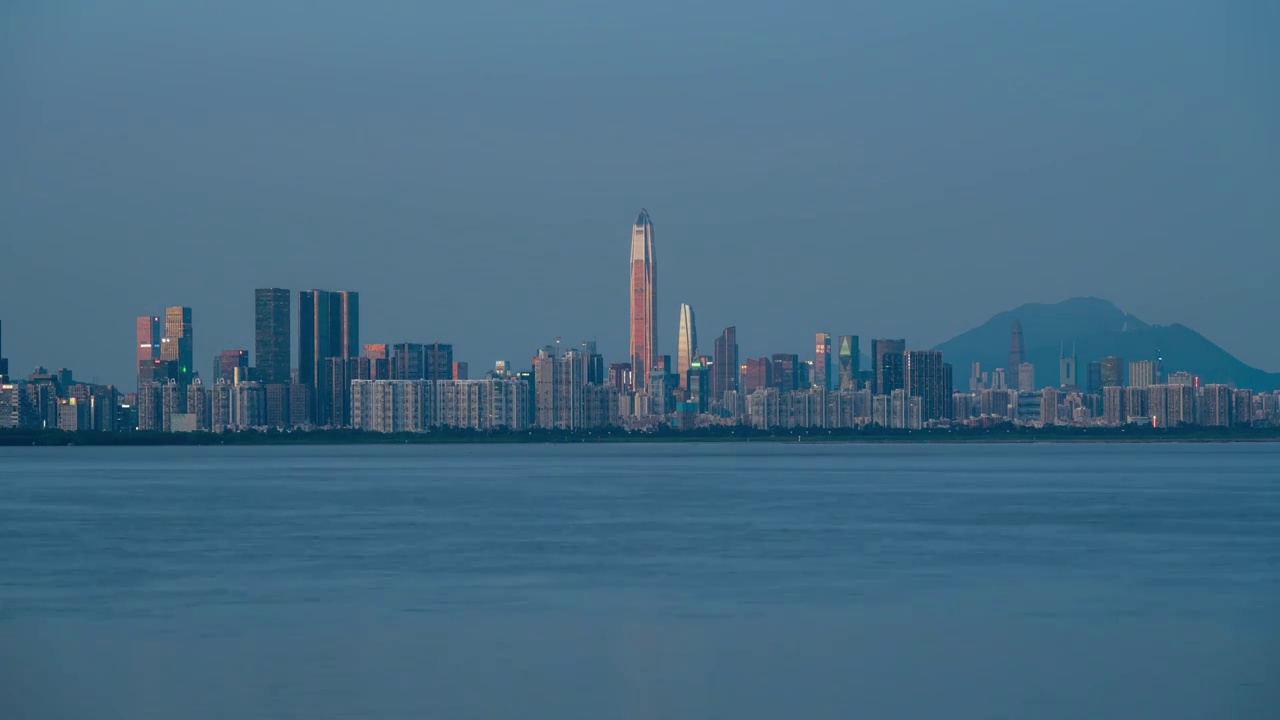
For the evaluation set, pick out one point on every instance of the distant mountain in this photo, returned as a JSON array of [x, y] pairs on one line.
[[1096, 328]]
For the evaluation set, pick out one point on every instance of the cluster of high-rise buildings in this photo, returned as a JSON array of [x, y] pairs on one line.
[[1114, 393], [336, 382]]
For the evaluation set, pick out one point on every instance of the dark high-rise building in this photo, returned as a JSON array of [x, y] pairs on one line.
[[724, 364], [948, 389], [756, 374], [361, 368], [592, 364], [300, 404], [315, 345], [177, 345], [786, 372], [344, 316], [822, 361], [1068, 368], [850, 359], [665, 364], [328, 327], [698, 383], [1135, 402], [157, 371], [925, 377], [886, 358], [460, 370], [1017, 349], [367, 368], [226, 364], [148, 343], [4, 362], [271, 317], [408, 362], [595, 369], [277, 411], [1093, 377], [439, 361], [338, 402], [620, 376], [1112, 372]]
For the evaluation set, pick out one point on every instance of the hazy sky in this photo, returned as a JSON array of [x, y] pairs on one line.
[[903, 169]]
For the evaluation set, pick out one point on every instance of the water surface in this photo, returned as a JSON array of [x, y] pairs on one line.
[[641, 581]]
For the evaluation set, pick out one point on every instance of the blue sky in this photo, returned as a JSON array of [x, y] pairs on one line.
[[897, 169]]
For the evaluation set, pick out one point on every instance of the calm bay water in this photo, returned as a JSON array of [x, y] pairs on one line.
[[638, 581]]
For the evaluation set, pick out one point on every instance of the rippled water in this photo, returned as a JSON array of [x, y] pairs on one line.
[[641, 581]]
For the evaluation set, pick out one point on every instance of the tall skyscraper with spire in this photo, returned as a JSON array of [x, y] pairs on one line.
[[1016, 349], [686, 345], [644, 301]]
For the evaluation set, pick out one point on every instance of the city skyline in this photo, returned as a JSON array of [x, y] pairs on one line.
[[488, 198], [152, 339], [331, 357], [417, 387]]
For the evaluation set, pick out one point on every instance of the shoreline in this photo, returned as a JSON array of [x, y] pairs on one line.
[[986, 436]]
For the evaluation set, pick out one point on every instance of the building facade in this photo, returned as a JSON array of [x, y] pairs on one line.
[[686, 344], [177, 343], [1067, 367], [147, 345], [849, 357], [231, 365], [822, 361], [925, 378], [1142, 373], [887, 359], [724, 364], [273, 356], [1017, 347], [1026, 378], [1112, 371], [643, 301]]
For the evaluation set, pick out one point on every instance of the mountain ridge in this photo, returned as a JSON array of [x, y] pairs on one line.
[[1096, 328]]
